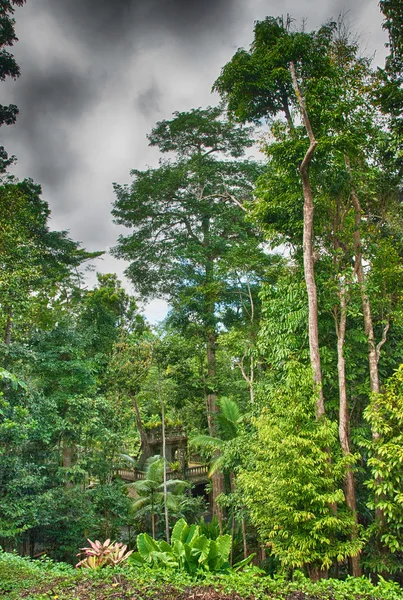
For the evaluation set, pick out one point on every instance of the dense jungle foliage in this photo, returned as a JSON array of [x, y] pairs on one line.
[[278, 371]]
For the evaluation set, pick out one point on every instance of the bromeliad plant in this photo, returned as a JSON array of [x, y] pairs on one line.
[[189, 550], [99, 555]]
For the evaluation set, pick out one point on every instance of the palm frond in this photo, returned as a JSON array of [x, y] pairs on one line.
[[206, 443]]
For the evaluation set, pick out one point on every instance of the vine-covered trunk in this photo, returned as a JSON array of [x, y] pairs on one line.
[[217, 479], [344, 425], [67, 459], [146, 450], [9, 326]]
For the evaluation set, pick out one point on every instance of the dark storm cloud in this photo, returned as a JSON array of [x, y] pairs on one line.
[[59, 90], [99, 24], [148, 101], [97, 74], [51, 101], [54, 95], [103, 24], [193, 17]]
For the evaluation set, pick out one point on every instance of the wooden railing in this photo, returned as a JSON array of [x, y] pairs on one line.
[[198, 474]]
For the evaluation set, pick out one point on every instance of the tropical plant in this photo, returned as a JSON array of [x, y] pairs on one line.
[[99, 554], [228, 419], [150, 491], [189, 550]]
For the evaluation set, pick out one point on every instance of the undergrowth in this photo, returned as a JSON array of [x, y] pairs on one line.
[[45, 580]]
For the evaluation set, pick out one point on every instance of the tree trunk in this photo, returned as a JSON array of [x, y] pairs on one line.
[[165, 468], [146, 450], [344, 424], [366, 307], [316, 573], [217, 479], [244, 541], [67, 459], [366, 311], [309, 261], [9, 326]]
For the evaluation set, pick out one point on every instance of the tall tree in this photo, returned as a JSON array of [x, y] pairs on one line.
[[187, 221], [390, 91], [276, 77], [320, 76], [36, 263]]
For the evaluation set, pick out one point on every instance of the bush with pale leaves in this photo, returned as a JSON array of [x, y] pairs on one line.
[[99, 555]]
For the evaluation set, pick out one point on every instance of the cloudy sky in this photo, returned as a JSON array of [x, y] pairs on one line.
[[96, 75]]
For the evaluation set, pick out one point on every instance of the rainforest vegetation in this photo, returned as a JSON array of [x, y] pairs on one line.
[[258, 430]]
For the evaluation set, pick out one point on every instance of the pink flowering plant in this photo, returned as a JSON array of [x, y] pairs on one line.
[[104, 554]]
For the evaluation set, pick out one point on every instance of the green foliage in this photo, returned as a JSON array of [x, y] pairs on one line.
[[183, 214], [385, 460], [42, 579], [189, 550], [18, 573], [228, 420], [291, 486], [8, 68], [150, 491], [389, 92]]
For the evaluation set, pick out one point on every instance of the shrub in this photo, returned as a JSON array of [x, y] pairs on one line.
[[101, 555]]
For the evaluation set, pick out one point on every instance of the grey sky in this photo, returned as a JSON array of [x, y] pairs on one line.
[[97, 74]]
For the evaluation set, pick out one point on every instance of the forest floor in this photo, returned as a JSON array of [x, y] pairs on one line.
[[22, 578], [125, 590]]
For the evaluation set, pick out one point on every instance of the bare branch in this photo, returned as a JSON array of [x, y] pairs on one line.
[[383, 340]]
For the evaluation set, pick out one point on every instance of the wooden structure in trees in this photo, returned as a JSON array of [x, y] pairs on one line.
[[176, 451]]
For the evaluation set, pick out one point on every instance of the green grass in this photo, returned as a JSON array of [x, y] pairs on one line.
[[46, 580]]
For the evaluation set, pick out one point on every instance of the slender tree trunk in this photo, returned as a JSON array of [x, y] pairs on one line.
[[344, 424], [250, 379], [217, 479], [244, 541], [153, 523], [366, 311], [232, 537], [165, 468], [366, 306], [308, 253]]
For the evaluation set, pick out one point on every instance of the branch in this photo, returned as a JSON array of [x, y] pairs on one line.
[[383, 340], [190, 232], [240, 365], [305, 118], [227, 196]]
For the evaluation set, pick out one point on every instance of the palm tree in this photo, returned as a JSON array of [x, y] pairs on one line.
[[150, 490], [228, 418]]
